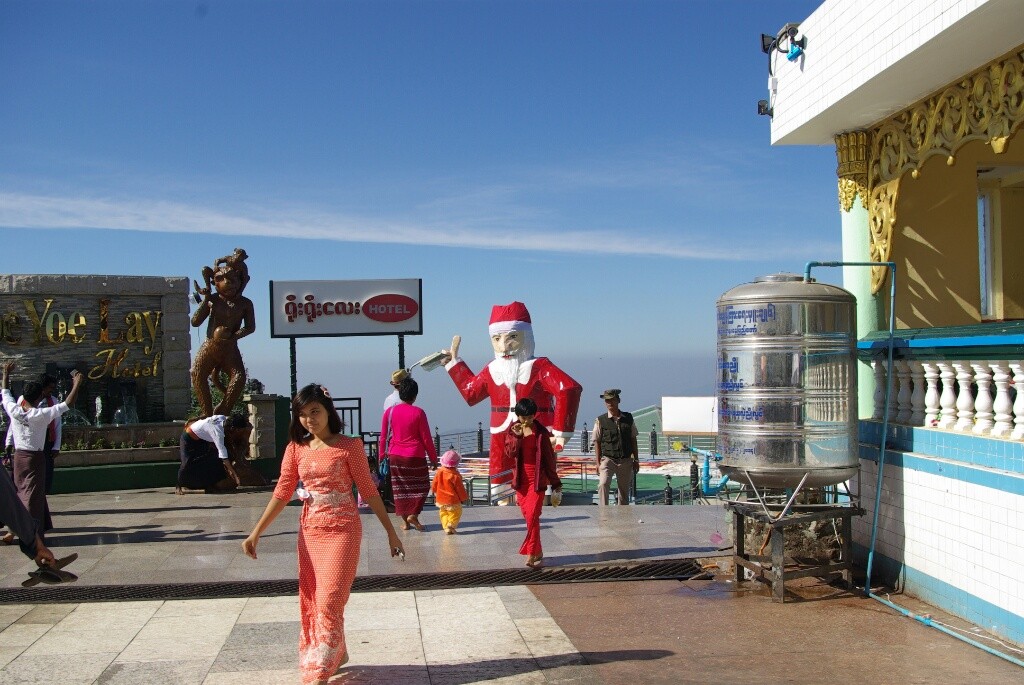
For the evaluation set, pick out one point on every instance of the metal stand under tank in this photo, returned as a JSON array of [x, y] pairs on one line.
[[771, 568]]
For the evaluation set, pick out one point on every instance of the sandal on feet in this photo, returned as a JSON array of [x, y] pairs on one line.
[[8, 539], [415, 523], [405, 523]]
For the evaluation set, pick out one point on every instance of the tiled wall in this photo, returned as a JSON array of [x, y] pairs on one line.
[[852, 42], [948, 532]]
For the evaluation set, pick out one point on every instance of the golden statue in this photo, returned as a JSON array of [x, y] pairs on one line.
[[231, 317]]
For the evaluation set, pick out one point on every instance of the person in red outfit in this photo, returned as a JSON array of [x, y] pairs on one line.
[[329, 527], [528, 447], [516, 374]]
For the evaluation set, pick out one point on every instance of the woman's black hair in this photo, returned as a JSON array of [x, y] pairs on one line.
[[307, 395], [408, 389], [525, 407]]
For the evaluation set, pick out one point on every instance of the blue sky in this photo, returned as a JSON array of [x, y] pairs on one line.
[[602, 162]]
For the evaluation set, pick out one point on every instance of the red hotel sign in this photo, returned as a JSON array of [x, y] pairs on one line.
[[339, 308]]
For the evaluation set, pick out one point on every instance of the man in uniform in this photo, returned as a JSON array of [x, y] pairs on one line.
[[615, 448]]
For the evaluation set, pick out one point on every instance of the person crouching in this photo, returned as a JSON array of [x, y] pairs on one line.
[[205, 462], [449, 491]]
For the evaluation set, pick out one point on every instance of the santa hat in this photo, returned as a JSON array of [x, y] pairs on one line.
[[509, 317], [450, 459]]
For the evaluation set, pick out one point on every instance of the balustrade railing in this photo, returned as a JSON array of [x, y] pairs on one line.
[[964, 380]]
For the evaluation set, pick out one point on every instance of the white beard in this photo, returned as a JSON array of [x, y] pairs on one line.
[[508, 369]]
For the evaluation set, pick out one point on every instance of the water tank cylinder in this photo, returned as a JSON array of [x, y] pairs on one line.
[[787, 382]]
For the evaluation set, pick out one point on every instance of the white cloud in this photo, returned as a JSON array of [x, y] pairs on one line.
[[505, 230]]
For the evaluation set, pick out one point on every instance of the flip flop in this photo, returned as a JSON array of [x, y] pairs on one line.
[[8, 539], [51, 575]]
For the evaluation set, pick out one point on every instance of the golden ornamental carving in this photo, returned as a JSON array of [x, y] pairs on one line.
[[986, 105], [881, 222], [852, 155], [848, 191]]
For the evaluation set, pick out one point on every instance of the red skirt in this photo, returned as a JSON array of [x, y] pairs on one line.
[[410, 482]]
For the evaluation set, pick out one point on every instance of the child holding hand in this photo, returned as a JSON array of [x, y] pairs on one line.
[[449, 491]]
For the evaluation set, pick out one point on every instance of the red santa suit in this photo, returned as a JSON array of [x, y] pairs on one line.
[[556, 393]]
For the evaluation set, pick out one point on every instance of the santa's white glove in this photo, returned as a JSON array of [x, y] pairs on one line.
[[453, 353]]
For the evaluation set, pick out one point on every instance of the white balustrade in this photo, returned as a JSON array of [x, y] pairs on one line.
[[1017, 367], [917, 393], [1002, 407], [903, 409], [983, 402], [940, 394], [947, 400], [894, 395], [878, 367], [964, 398], [931, 395]]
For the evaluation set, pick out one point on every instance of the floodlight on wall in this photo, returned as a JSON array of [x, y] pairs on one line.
[[767, 43], [764, 109]]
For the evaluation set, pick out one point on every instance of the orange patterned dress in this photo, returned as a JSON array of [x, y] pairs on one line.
[[329, 538]]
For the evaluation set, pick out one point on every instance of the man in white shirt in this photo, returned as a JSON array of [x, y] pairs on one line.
[[51, 447], [396, 379], [205, 462], [30, 426]]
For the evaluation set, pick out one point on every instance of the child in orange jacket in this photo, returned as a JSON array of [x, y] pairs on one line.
[[449, 491]]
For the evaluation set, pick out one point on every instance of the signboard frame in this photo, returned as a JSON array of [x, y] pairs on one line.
[[353, 290]]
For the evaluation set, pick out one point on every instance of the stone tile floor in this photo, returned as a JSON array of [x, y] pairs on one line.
[[155, 536], [431, 638], [592, 633]]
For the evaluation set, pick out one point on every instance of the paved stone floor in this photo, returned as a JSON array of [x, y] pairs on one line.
[[591, 633]]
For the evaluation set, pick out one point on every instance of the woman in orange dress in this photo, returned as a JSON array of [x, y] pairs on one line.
[[329, 526]]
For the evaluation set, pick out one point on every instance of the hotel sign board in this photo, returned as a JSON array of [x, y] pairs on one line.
[[305, 309]]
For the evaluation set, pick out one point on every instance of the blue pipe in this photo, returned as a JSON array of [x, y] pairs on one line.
[[926, 620], [706, 477]]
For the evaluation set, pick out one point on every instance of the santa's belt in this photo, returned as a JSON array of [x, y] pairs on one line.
[[505, 410]]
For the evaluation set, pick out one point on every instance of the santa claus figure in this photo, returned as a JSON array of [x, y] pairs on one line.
[[514, 375]]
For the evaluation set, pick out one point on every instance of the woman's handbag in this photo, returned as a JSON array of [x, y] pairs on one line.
[[383, 465]]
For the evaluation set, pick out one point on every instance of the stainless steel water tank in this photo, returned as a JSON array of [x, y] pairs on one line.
[[787, 382]]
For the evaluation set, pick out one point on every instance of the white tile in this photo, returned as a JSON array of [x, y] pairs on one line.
[[81, 642], [23, 634]]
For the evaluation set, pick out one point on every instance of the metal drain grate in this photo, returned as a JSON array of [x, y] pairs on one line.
[[672, 569]]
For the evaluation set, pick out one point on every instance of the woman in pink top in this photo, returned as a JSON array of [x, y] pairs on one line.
[[329, 526], [405, 440]]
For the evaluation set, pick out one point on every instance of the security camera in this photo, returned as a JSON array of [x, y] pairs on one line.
[[764, 109], [790, 30]]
